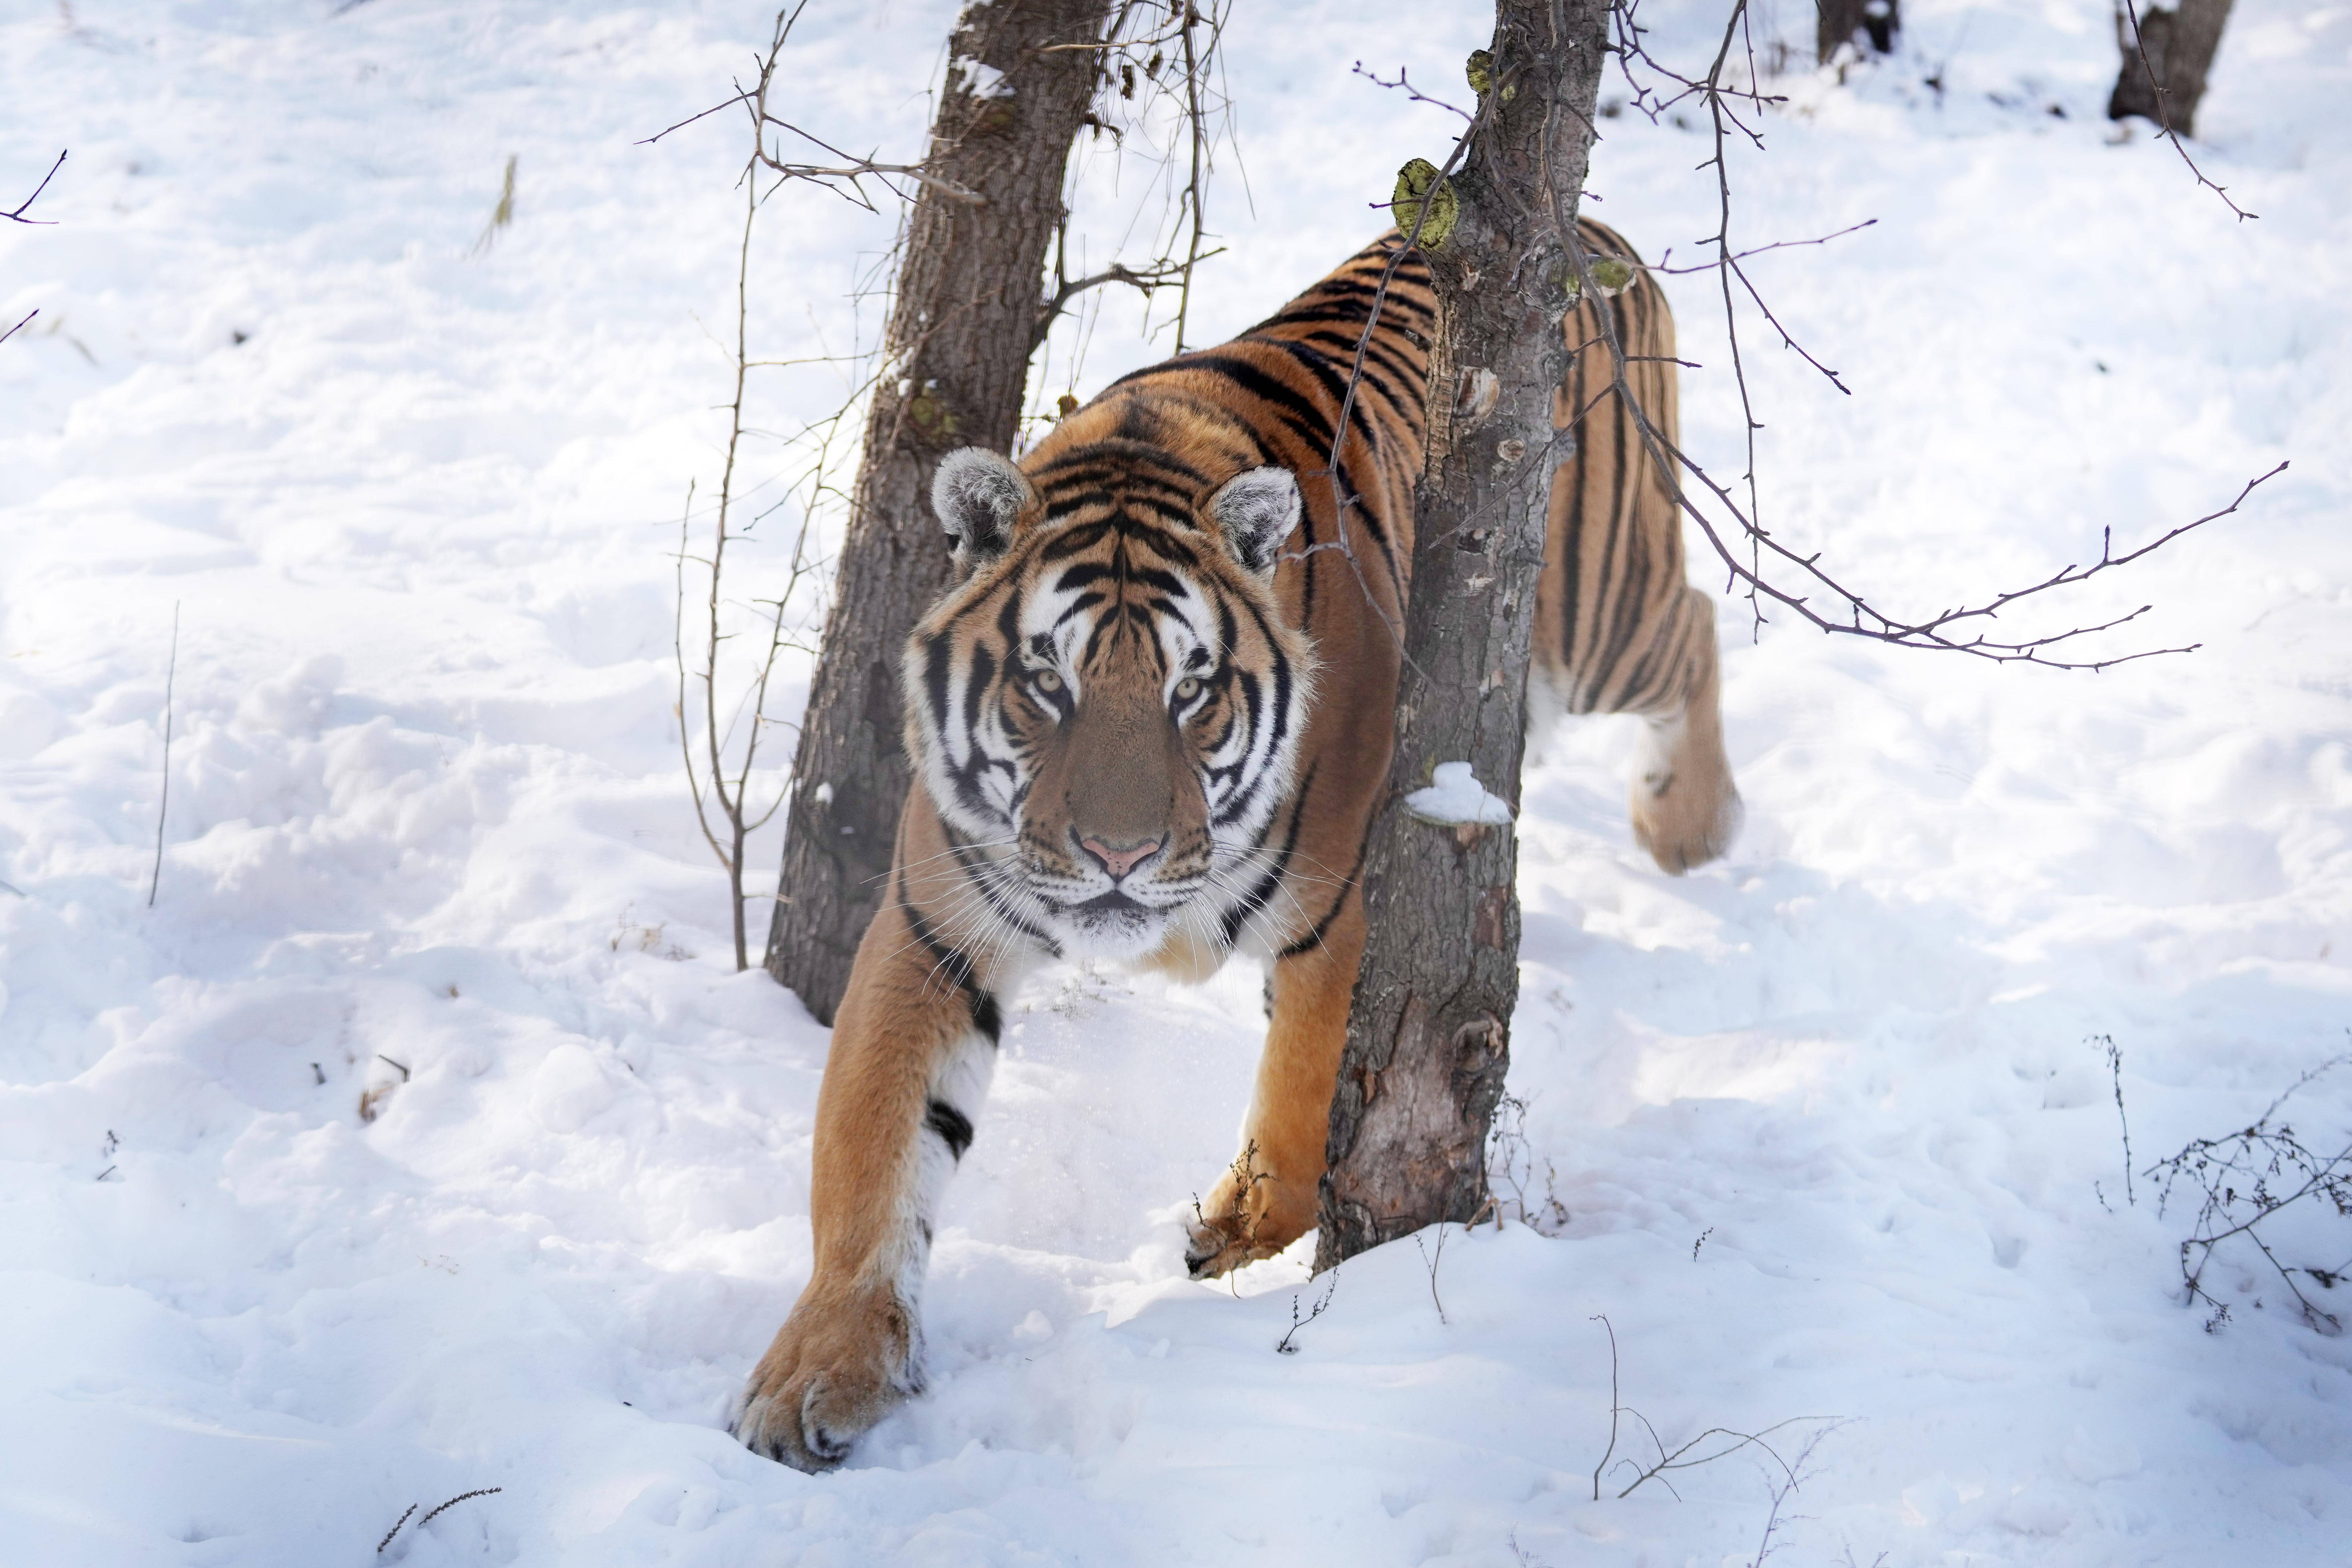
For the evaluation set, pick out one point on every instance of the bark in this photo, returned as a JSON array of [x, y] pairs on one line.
[[1429, 1033], [1836, 22], [962, 323], [2180, 47]]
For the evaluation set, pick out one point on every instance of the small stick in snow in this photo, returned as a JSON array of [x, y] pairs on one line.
[[461, 1497], [1296, 1322], [1430, 1259], [163, 804], [1782, 1491], [16, 213], [389, 1062], [1614, 1408], [2116, 1071], [394, 1529]]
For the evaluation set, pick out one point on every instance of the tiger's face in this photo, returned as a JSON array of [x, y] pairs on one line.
[[1106, 710]]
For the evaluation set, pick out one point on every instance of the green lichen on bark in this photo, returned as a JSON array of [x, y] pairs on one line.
[[1417, 184], [1610, 275]]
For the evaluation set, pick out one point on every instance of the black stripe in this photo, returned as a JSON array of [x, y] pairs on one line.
[[954, 1127], [1298, 412], [1257, 897], [1313, 939], [956, 964]]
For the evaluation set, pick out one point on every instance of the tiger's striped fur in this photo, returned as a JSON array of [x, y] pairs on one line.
[[1153, 720]]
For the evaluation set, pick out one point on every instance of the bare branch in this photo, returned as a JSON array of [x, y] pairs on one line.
[[1776, 245], [163, 802], [1851, 614], [1404, 83], [2164, 117], [16, 213], [1160, 276]]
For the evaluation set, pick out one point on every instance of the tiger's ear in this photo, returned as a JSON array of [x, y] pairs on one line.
[[976, 495], [1256, 511]]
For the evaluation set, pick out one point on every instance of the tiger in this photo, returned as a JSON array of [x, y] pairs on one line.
[[1153, 718]]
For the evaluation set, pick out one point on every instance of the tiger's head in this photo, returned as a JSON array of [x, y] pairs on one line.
[[1107, 708]]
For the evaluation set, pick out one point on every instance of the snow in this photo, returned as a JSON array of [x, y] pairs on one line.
[[1829, 1124], [1454, 799]]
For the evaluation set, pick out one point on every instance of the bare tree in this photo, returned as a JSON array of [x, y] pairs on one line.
[[971, 304], [2166, 56], [1428, 1036], [962, 323]]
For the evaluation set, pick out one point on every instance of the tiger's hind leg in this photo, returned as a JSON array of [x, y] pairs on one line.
[[1684, 807], [1266, 1198], [1618, 628]]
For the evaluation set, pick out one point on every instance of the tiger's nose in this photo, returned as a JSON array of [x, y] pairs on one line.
[[1119, 860]]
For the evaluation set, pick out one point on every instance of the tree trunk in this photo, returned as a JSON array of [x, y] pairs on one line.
[[1429, 1033], [2180, 47], [1836, 22], [962, 324]]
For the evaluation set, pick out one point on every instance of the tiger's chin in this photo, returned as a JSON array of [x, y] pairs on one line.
[[1128, 935], [1122, 931]]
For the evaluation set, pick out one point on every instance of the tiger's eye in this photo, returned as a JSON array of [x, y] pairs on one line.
[[1048, 681], [1188, 689]]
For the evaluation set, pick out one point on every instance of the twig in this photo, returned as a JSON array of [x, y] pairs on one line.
[[1854, 615], [1194, 190], [19, 326], [1785, 1489], [394, 1529], [731, 795], [1614, 1404], [1283, 1346], [389, 1062], [1661, 267], [1341, 502], [2256, 1156], [2164, 117], [16, 213], [1674, 1459], [2116, 1072], [461, 1497], [1404, 83], [163, 802], [1160, 276], [1432, 1258]]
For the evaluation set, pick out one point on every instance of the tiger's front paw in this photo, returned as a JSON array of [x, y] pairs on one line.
[[1685, 808], [1251, 1213], [839, 1365]]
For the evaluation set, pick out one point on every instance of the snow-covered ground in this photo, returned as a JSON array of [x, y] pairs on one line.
[[1827, 1125]]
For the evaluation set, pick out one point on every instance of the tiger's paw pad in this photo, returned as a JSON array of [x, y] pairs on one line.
[[833, 1373]]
